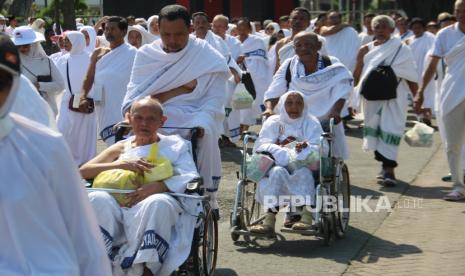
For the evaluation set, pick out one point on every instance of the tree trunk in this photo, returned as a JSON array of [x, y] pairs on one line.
[[21, 8], [69, 15]]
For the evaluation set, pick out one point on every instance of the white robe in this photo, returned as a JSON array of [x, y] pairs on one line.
[[385, 120], [256, 61], [155, 71], [344, 45], [321, 89], [279, 180], [31, 105], [365, 38], [233, 119], [78, 129], [158, 230], [46, 222], [112, 75]]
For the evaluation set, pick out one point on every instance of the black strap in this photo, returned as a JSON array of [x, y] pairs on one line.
[[30, 72], [67, 77], [398, 49]]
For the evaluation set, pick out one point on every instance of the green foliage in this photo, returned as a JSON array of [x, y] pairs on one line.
[[80, 7]]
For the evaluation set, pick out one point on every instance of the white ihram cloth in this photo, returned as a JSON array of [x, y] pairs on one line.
[[223, 125], [156, 71], [365, 38], [78, 129], [321, 89], [344, 45], [256, 61], [112, 74], [420, 47], [36, 63], [46, 222], [233, 119], [157, 231], [385, 120], [31, 105], [276, 129]]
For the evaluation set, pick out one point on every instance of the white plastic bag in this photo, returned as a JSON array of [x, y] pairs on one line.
[[420, 135], [258, 166], [241, 98]]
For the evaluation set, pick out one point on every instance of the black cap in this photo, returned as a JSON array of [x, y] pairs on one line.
[[9, 56]]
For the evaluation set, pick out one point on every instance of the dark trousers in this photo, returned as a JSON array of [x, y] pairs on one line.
[[387, 163]]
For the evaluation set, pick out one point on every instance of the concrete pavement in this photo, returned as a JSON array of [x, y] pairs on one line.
[[374, 237]]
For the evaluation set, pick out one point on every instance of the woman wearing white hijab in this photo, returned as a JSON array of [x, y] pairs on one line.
[[137, 36], [293, 123], [36, 66], [152, 26], [46, 222], [38, 25], [78, 129], [91, 37]]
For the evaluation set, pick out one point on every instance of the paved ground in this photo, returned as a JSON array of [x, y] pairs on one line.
[[423, 235], [376, 243]]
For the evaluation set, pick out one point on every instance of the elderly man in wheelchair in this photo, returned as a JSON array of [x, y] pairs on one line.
[[148, 226], [290, 136]]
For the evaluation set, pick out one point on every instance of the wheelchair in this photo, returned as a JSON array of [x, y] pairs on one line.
[[330, 218], [204, 248]]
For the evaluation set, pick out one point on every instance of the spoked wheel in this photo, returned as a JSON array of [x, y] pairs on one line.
[[342, 191], [209, 243]]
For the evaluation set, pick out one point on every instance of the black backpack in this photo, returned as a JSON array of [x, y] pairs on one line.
[[381, 83], [326, 63]]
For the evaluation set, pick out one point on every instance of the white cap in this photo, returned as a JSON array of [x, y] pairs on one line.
[[25, 35]]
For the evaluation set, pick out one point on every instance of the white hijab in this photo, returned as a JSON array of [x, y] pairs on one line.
[[92, 35], [275, 26], [78, 41], [146, 36], [284, 117], [149, 21]]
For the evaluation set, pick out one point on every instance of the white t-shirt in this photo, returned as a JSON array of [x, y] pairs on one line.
[[446, 40]]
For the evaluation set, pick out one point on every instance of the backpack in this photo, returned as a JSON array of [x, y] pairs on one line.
[[381, 83], [326, 63]]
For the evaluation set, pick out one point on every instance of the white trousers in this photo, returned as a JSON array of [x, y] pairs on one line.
[[454, 130]]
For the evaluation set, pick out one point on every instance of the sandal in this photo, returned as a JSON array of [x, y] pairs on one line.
[[454, 196], [290, 220]]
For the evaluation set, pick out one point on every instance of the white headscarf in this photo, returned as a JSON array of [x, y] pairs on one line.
[[275, 26], [37, 25], [92, 37], [78, 41], [36, 52], [149, 21], [146, 36], [284, 117]]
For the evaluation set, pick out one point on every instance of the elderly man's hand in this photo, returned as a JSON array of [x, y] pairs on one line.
[[418, 102], [146, 191], [138, 166]]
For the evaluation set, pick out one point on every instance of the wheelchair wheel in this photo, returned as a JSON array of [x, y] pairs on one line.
[[342, 191], [209, 243], [235, 237], [325, 228]]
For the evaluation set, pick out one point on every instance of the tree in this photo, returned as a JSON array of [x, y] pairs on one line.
[[21, 7], [69, 16]]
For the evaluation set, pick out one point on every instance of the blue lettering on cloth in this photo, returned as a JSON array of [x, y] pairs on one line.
[[108, 240], [216, 183], [107, 133], [150, 240], [257, 53]]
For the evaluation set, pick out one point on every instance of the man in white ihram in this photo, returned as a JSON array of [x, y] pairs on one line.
[[188, 77]]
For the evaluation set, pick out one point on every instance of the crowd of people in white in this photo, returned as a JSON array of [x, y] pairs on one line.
[[181, 70]]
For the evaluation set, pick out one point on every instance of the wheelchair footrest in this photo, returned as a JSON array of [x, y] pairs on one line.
[[248, 233], [311, 232]]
